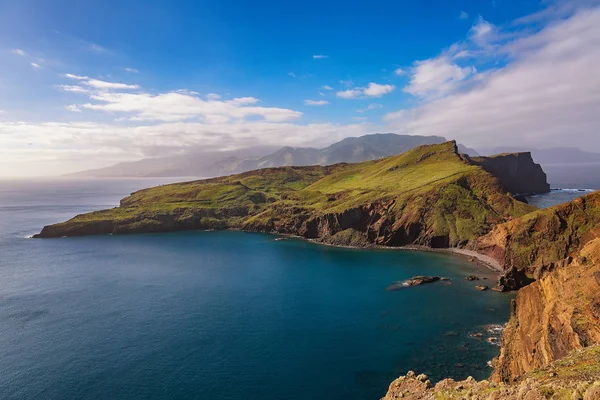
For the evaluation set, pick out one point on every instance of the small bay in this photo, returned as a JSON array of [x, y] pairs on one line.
[[221, 315]]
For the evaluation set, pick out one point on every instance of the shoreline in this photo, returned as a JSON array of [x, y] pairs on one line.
[[480, 259]]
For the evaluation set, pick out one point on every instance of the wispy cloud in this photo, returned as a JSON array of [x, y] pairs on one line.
[[316, 102], [292, 74], [372, 106], [326, 87], [213, 96], [372, 90], [132, 70], [463, 15], [19, 52], [73, 107], [99, 84], [319, 56], [36, 65], [436, 76], [400, 71], [548, 93]]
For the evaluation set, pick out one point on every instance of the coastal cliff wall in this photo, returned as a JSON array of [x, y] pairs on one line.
[[551, 344], [517, 171], [553, 316]]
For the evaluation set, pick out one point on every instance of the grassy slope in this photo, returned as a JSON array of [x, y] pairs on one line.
[[545, 236], [430, 190]]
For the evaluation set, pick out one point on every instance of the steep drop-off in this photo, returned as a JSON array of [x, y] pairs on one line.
[[550, 347], [517, 171], [431, 196]]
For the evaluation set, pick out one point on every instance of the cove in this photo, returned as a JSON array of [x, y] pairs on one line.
[[232, 315]]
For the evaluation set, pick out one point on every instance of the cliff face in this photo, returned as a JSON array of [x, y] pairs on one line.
[[517, 171], [431, 196], [551, 345], [535, 241], [553, 316]]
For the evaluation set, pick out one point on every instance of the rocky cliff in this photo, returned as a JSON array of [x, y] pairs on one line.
[[537, 240], [517, 171], [553, 316], [551, 345]]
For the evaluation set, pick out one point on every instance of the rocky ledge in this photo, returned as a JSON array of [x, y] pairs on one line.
[[576, 377]]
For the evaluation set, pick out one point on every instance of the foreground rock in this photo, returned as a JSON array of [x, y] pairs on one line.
[[414, 281], [575, 377]]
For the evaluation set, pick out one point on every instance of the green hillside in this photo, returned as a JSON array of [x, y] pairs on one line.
[[430, 195]]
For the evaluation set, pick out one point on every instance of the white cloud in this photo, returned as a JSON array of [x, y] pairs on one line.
[[400, 71], [213, 96], [316, 102], [350, 93], [547, 95], [376, 90], [19, 52], [372, 90], [319, 56], [436, 76], [348, 82], [98, 84], [78, 77], [242, 101], [359, 118], [481, 31], [73, 107], [326, 87], [36, 65], [132, 70], [73, 88], [372, 106], [179, 106], [292, 74], [463, 15]]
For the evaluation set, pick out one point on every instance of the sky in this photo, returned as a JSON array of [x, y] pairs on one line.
[[86, 84]]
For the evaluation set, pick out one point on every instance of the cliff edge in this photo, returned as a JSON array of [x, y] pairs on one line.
[[517, 171]]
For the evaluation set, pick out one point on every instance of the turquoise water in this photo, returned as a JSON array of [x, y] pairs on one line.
[[220, 315]]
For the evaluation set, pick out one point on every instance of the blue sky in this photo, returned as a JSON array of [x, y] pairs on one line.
[[87, 84]]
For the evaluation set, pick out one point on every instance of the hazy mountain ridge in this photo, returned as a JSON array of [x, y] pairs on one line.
[[210, 164]]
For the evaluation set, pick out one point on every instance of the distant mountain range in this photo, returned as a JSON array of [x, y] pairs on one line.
[[209, 164]]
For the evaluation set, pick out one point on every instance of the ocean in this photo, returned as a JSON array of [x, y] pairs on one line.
[[220, 315]]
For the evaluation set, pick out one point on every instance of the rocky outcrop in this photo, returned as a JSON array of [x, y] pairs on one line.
[[553, 316], [551, 344], [534, 242], [414, 281], [575, 377], [517, 171]]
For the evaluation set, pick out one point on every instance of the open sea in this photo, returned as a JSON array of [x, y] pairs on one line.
[[220, 315]]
